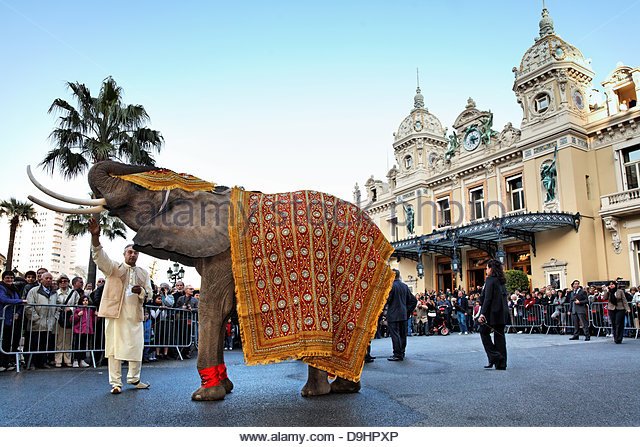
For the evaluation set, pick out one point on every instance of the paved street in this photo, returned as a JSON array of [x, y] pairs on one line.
[[551, 381]]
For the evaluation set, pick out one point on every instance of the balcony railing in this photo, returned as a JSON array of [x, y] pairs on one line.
[[623, 201]]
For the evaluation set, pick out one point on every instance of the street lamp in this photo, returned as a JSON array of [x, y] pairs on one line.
[[419, 266], [455, 264], [175, 273], [501, 255], [420, 269]]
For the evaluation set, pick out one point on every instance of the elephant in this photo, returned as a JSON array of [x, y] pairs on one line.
[[192, 228]]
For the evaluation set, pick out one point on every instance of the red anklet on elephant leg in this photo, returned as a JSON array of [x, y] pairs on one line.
[[210, 376], [222, 371]]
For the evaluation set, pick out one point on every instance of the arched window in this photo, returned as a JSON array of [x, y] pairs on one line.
[[541, 102], [408, 162]]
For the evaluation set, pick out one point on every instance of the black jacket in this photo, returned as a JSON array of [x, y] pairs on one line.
[[583, 300], [401, 302], [494, 302]]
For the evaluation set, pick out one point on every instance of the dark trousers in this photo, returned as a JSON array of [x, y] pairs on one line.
[[40, 341], [617, 324], [81, 341], [398, 332], [10, 340], [496, 349], [580, 319]]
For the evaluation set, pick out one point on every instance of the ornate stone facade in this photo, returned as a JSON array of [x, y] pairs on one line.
[[577, 153]]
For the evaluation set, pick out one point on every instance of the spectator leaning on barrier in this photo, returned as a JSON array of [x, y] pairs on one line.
[[41, 315], [11, 311], [579, 300], [617, 306]]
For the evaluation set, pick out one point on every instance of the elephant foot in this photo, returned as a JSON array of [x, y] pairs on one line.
[[227, 384], [341, 385], [212, 393], [317, 383]]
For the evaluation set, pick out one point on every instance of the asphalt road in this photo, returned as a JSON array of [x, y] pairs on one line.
[[551, 381]]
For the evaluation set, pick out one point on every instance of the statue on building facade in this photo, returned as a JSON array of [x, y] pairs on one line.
[[356, 195], [548, 175], [410, 217], [485, 129], [454, 144]]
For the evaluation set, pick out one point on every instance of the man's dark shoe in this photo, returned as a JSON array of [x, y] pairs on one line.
[[587, 338], [368, 359], [489, 366], [395, 359], [575, 337]]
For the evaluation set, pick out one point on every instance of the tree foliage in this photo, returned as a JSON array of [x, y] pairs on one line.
[[516, 280], [17, 212]]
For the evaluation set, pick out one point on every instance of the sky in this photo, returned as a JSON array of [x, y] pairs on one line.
[[279, 95]]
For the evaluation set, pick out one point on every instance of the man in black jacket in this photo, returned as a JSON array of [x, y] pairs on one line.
[[400, 306], [579, 300]]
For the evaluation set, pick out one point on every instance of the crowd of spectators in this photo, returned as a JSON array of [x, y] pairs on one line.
[[458, 310], [59, 315], [69, 320]]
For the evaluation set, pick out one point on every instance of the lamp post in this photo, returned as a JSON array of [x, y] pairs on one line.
[[175, 273], [501, 255], [419, 266]]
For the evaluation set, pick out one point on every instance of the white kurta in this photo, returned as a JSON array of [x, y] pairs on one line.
[[124, 336]]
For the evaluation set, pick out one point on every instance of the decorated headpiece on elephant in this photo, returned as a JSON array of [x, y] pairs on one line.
[[306, 270]]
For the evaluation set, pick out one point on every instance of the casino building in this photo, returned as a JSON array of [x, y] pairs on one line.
[[558, 198]]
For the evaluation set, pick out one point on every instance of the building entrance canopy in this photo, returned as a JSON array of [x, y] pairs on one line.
[[486, 235]]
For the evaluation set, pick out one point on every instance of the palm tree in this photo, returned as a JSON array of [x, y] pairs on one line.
[[100, 128], [111, 227], [17, 212]]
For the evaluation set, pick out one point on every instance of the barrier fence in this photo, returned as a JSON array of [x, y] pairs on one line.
[[37, 335], [40, 333]]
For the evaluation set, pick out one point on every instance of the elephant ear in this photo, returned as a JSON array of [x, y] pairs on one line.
[[190, 227]]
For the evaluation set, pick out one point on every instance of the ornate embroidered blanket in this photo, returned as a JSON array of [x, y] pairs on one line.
[[311, 278], [166, 179]]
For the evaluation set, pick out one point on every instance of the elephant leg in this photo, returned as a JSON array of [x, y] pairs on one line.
[[317, 383], [216, 303], [341, 385]]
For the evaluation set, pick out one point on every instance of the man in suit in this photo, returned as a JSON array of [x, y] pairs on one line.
[[579, 300], [125, 288], [400, 305]]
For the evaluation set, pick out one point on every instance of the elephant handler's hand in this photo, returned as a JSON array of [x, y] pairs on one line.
[[94, 228], [482, 319], [136, 289]]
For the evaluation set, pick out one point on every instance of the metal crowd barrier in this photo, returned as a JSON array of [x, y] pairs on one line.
[[37, 335], [524, 318], [600, 319], [558, 318]]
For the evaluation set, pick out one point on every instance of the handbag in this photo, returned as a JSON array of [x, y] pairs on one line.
[[65, 317], [431, 314]]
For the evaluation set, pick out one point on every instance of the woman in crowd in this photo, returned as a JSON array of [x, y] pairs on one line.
[[494, 315], [160, 323], [11, 311], [617, 306]]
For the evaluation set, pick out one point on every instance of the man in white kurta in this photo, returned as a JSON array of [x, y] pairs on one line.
[[125, 289]]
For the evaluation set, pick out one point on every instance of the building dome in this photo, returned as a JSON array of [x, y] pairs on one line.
[[549, 48], [420, 121]]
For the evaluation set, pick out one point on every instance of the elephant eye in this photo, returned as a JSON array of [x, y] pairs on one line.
[[138, 187]]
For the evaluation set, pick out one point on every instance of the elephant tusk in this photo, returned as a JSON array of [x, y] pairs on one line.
[[59, 209], [55, 195]]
